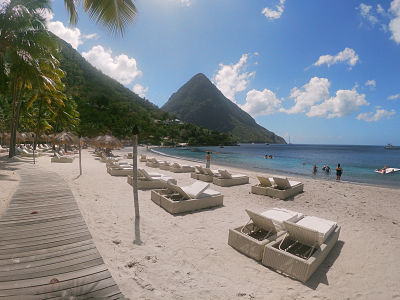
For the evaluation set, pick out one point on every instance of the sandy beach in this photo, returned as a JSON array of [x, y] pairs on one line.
[[187, 256]]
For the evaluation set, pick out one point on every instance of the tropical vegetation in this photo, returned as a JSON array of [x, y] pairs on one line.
[[47, 87]]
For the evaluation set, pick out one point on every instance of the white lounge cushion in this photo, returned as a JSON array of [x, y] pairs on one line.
[[195, 189], [278, 215], [209, 193], [284, 183], [322, 226]]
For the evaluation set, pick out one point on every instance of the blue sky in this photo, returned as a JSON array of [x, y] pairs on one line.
[[317, 71]]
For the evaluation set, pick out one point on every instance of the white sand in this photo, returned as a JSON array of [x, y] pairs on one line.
[[187, 256], [9, 180]]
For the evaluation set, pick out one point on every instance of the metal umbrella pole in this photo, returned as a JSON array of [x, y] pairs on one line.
[[80, 156], [135, 132]]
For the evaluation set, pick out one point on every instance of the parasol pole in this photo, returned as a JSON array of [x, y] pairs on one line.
[[80, 156], [135, 132]]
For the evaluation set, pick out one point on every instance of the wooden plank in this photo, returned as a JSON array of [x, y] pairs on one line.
[[38, 233], [46, 251], [43, 256], [24, 242], [46, 279], [17, 251], [48, 260], [50, 269], [62, 285]]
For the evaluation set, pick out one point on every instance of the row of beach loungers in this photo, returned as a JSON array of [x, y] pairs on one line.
[[287, 241]]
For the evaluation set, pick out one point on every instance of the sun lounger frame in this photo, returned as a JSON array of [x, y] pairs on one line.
[[143, 184], [225, 182], [277, 193], [174, 203], [295, 266], [120, 172], [248, 245]]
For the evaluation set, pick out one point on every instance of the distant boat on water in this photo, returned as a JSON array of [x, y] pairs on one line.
[[391, 147]]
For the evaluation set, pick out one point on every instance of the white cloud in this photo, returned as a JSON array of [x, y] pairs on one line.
[[121, 67], [371, 83], [315, 91], [366, 13], [232, 79], [394, 97], [374, 117], [261, 103], [380, 9], [140, 90], [348, 56], [394, 25], [186, 3], [274, 14], [344, 103], [71, 35]]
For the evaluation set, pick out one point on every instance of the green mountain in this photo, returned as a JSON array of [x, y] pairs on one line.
[[200, 102], [106, 106]]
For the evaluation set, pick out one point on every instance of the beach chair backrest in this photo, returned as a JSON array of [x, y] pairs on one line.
[[177, 189], [302, 234], [58, 156], [196, 189], [225, 174], [202, 170], [261, 221], [144, 174], [282, 182], [209, 172], [264, 181], [176, 165], [143, 156]]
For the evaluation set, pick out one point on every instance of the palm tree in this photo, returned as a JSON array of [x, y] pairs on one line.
[[113, 14], [27, 53]]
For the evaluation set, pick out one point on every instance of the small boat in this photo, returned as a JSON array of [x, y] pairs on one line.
[[387, 170], [391, 147]]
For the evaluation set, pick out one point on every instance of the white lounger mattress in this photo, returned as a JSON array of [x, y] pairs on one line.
[[278, 215], [322, 226]]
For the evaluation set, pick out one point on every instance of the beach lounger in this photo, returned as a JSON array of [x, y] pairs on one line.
[[261, 229], [25, 153], [228, 179], [165, 165], [152, 163], [62, 159], [261, 188], [196, 172], [143, 158], [120, 170], [146, 181], [203, 175], [303, 248], [178, 168], [176, 199], [284, 188]]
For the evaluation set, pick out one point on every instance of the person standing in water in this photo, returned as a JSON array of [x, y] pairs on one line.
[[208, 159], [339, 172]]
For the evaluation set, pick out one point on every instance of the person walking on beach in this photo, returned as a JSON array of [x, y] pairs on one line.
[[339, 172], [208, 159]]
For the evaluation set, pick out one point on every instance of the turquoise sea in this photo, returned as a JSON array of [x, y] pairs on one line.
[[358, 162]]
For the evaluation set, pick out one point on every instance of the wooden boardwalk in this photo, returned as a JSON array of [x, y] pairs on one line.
[[44, 238]]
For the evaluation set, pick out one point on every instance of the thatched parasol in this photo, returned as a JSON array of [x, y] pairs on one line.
[[66, 138], [109, 142]]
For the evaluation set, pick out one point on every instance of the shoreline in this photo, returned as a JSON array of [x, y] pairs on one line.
[[272, 171]]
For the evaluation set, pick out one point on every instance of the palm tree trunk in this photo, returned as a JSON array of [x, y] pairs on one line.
[[13, 128]]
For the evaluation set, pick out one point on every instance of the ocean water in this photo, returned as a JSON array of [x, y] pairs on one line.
[[358, 162]]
